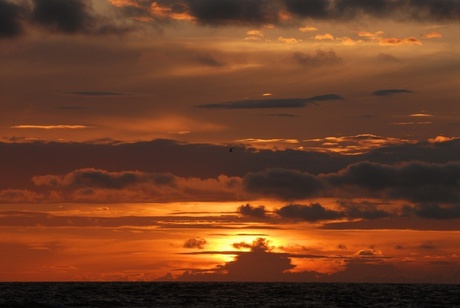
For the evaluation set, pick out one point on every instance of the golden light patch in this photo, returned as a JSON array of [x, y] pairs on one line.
[[167, 12], [308, 29]]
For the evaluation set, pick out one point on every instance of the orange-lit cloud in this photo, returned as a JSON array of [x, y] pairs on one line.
[[288, 40], [308, 29], [324, 37], [28, 126], [157, 10], [384, 41], [254, 35], [370, 35], [431, 35]]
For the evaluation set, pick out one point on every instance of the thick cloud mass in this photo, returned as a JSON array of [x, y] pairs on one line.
[[76, 16], [258, 12], [103, 179], [414, 181], [251, 211], [10, 19], [68, 16], [313, 212], [233, 11], [283, 184]]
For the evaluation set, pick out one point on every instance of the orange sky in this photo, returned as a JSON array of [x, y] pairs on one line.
[[117, 116]]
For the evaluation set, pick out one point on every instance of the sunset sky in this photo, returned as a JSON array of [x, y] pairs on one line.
[[117, 118]]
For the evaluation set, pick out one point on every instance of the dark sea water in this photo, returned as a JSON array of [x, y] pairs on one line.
[[202, 294]]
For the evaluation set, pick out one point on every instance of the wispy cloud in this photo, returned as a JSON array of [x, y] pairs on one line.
[[62, 126], [386, 92], [272, 103]]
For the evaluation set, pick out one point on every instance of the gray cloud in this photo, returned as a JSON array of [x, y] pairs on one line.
[[364, 209], [413, 181], [197, 242], [70, 16], [258, 12], [387, 92], [10, 19], [234, 11], [252, 211], [435, 210], [313, 212], [283, 184], [272, 103], [95, 178]]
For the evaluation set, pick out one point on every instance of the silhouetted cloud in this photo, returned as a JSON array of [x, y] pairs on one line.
[[272, 103], [197, 242], [387, 92], [368, 252], [364, 209], [435, 210], [283, 184], [313, 212], [252, 211], [413, 181], [103, 179]]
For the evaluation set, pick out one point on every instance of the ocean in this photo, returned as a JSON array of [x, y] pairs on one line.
[[224, 294]]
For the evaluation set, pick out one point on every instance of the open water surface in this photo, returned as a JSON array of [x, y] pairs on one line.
[[224, 294]]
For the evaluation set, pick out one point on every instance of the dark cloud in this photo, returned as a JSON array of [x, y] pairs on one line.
[[387, 92], [260, 12], [435, 210], [321, 57], [444, 10], [283, 184], [70, 16], [197, 242], [364, 209], [260, 264], [234, 11], [10, 19], [313, 212], [272, 103], [95, 178], [310, 9], [389, 171], [413, 181], [252, 211]]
